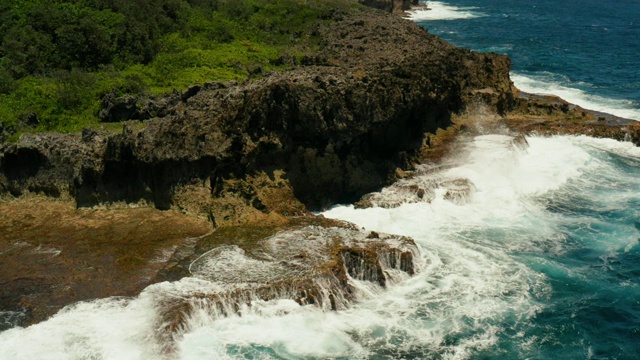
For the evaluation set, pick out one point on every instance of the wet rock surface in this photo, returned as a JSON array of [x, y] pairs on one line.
[[550, 115], [419, 188], [296, 249], [52, 254], [311, 260]]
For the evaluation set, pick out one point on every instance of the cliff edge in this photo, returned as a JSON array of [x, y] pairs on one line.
[[333, 128]]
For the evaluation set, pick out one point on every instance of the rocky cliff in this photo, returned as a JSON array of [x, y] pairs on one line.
[[252, 157], [333, 128], [249, 157]]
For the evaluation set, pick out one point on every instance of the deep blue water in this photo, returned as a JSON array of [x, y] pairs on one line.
[[585, 50]]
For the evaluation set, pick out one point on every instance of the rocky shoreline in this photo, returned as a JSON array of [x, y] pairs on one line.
[[380, 96]]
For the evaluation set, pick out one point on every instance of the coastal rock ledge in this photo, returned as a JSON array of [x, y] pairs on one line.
[[313, 261], [328, 131], [247, 159]]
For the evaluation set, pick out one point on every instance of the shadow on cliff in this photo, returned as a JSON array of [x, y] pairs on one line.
[[335, 128]]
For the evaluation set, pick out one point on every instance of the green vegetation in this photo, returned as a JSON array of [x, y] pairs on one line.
[[58, 59]]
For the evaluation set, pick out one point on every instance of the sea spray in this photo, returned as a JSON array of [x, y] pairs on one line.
[[436, 10], [521, 228], [326, 267], [539, 261]]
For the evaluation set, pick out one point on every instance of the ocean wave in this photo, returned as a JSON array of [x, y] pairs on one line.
[[548, 84], [440, 11], [544, 229], [621, 148]]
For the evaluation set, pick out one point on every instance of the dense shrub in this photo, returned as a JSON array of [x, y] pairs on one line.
[[59, 58]]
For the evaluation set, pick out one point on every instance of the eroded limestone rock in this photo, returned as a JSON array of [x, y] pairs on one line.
[[314, 261], [424, 186], [337, 125]]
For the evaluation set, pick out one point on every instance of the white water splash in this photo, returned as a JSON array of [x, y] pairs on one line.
[[470, 282], [103, 329], [469, 246], [471, 290], [437, 10]]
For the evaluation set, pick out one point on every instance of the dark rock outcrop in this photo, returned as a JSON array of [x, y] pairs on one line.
[[551, 115], [336, 128], [117, 109], [129, 107]]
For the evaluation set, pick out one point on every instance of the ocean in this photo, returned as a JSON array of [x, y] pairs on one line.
[[537, 259], [583, 51], [541, 262]]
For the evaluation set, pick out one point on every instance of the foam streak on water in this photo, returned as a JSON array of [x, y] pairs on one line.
[[548, 84], [541, 260]]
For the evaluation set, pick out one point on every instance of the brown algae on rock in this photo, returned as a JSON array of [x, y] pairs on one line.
[[53, 254]]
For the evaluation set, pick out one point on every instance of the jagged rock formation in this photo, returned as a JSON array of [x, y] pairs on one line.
[[419, 188], [128, 107], [330, 131], [315, 261]]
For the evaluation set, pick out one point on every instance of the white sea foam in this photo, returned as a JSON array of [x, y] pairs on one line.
[[103, 329], [440, 11], [596, 187], [472, 289], [302, 333], [621, 148], [548, 85], [468, 247]]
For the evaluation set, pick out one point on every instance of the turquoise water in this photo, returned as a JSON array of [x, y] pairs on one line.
[[586, 51], [559, 240], [596, 300], [593, 310]]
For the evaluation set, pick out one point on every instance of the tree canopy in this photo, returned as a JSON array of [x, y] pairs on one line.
[[59, 58]]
